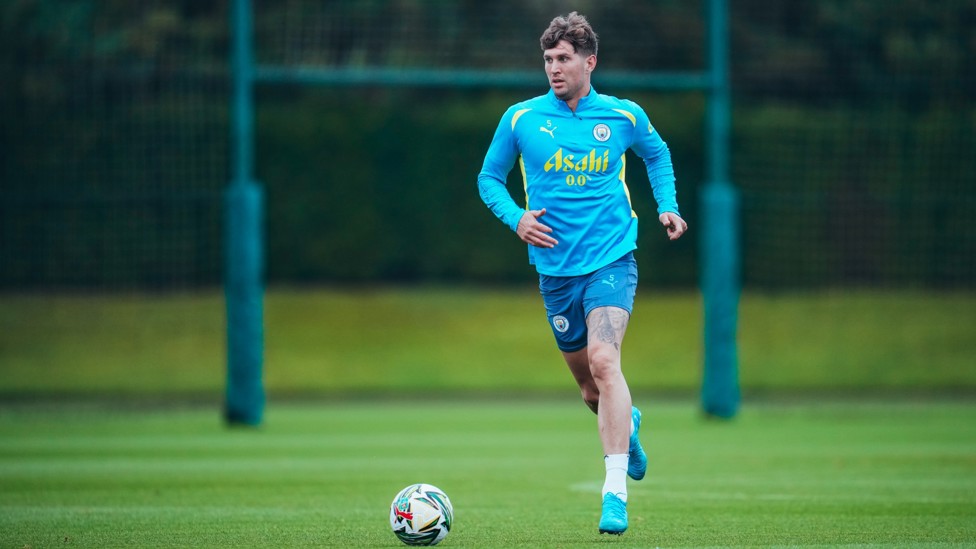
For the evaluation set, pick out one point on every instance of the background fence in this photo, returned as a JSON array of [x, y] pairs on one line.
[[853, 130]]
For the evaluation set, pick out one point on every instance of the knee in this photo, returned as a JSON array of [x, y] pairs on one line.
[[604, 366]]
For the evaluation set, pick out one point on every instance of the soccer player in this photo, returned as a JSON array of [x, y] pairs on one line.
[[581, 230]]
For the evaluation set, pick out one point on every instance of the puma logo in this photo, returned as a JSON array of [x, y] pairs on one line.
[[612, 282], [552, 135]]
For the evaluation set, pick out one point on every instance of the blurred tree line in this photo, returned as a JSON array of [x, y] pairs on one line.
[[854, 125]]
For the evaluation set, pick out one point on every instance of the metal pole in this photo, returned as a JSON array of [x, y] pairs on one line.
[[244, 206], [720, 239]]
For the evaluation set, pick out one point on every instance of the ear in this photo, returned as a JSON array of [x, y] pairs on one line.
[[590, 63]]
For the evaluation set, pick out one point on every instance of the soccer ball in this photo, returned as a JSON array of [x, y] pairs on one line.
[[421, 514]]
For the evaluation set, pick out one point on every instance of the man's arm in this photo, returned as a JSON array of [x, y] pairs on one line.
[[495, 195], [660, 172], [649, 145], [498, 162], [524, 222], [491, 187]]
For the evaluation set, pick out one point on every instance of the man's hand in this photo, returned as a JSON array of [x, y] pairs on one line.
[[672, 223], [534, 233]]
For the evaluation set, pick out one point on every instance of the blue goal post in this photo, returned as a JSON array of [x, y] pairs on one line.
[[718, 230]]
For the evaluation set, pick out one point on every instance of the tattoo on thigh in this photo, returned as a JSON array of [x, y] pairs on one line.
[[609, 325]]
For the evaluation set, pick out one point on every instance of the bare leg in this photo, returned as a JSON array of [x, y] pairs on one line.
[[607, 326], [597, 371]]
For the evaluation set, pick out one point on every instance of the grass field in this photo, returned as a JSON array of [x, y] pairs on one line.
[[110, 430], [393, 340], [520, 474]]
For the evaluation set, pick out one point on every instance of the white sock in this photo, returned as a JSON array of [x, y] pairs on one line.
[[616, 482]]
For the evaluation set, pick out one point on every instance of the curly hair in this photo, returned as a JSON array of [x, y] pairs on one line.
[[573, 28]]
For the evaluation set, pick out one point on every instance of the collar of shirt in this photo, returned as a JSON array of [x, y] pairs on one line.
[[585, 102]]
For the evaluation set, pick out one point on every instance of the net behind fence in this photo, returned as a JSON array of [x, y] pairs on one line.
[[485, 36], [854, 126], [853, 129], [114, 145]]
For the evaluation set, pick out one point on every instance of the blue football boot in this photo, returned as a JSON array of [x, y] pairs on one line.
[[614, 517], [637, 461]]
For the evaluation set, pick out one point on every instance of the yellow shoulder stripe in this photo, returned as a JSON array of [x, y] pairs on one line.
[[632, 118], [518, 114]]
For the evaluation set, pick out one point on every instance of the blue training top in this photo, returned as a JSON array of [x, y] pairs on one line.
[[573, 165]]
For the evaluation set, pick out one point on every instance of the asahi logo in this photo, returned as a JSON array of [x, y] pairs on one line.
[[592, 162]]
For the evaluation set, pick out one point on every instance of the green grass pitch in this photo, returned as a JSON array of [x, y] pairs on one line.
[[521, 473]]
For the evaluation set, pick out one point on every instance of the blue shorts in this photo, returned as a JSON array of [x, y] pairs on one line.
[[569, 299]]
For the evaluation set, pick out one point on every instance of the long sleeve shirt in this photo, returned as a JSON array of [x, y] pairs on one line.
[[573, 164]]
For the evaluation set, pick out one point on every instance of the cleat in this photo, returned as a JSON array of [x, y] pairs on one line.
[[614, 518], [637, 462]]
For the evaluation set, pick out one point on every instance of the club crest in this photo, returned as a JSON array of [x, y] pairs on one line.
[[560, 323]]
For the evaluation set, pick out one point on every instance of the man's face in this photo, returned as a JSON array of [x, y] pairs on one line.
[[568, 71]]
